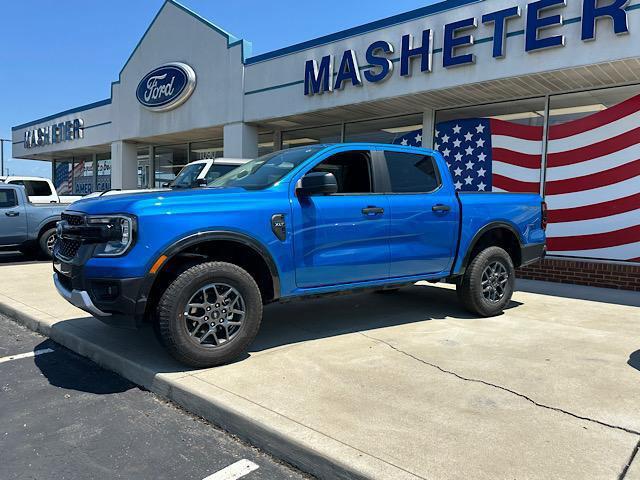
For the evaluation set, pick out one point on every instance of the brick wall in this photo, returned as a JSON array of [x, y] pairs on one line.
[[584, 272]]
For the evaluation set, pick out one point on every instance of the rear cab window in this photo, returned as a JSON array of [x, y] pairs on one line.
[[410, 173], [34, 188]]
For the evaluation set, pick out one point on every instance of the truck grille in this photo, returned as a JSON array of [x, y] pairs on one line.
[[72, 219], [67, 248]]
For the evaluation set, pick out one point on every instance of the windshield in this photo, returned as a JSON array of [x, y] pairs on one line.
[[187, 176], [266, 170]]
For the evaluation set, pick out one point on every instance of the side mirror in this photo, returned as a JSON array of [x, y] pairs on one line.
[[166, 184], [317, 183], [200, 182]]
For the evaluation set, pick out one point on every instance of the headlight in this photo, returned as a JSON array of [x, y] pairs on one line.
[[118, 233]]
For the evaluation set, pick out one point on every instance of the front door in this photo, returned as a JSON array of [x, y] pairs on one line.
[[13, 221], [423, 220], [342, 238]]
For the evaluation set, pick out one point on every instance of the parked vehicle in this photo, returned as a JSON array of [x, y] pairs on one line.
[[307, 221], [193, 175], [40, 190], [202, 172], [28, 227]]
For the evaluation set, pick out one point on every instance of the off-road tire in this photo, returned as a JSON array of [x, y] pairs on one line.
[[43, 241], [172, 324], [469, 287]]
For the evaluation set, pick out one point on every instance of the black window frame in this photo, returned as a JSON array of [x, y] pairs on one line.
[[385, 178], [29, 187], [373, 178], [15, 198]]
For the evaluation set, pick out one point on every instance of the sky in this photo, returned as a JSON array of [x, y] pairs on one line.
[[56, 55]]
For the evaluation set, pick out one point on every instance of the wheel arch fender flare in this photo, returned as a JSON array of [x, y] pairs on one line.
[[481, 232], [184, 243]]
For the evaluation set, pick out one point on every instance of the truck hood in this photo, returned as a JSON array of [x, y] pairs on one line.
[[137, 203]]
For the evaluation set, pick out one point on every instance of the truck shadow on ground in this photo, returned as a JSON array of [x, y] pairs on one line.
[[68, 370], [283, 324], [634, 360]]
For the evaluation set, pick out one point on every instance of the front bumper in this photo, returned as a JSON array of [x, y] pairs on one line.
[[78, 298], [115, 301]]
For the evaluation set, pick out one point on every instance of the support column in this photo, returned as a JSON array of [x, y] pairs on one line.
[[277, 140], [240, 140], [124, 165], [428, 127]]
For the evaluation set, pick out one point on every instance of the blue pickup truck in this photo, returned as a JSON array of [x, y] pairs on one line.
[[308, 221]]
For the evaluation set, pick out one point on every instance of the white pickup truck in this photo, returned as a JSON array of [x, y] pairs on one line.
[[40, 190]]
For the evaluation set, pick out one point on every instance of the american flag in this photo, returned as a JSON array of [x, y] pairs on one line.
[[63, 178], [592, 186]]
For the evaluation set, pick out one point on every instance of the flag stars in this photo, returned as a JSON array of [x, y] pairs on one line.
[[468, 136], [437, 133], [469, 150], [436, 146], [419, 139], [458, 185], [458, 157], [480, 143], [468, 180], [457, 129], [446, 152], [481, 187], [480, 128], [404, 142], [445, 138], [469, 165], [482, 157], [456, 143], [458, 171], [481, 172]]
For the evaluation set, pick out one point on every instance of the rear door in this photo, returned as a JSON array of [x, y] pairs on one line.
[[13, 218], [423, 222], [343, 237]]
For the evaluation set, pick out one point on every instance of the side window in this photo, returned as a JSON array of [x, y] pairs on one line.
[[351, 169], [34, 188], [218, 170], [8, 198], [411, 173], [37, 188]]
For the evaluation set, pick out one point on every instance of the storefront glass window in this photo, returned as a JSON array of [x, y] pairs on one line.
[[265, 143], [592, 181], [206, 150], [169, 160], [144, 168], [384, 130], [312, 136], [103, 179], [495, 147], [83, 175], [62, 176]]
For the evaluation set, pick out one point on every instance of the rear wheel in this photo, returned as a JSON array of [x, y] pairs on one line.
[[209, 314], [46, 242], [487, 284]]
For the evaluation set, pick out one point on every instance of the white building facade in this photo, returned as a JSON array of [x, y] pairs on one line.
[[537, 96]]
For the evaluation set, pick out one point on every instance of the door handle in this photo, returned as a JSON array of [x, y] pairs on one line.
[[371, 210], [441, 208], [12, 214]]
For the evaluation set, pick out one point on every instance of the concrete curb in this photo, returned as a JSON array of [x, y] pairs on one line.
[[313, 455]]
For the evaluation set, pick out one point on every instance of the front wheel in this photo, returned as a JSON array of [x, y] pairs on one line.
[[209, 314], [46, 243], [487, 284]]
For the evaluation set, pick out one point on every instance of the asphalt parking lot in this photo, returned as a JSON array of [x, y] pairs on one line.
[[62, 416], [401, 386]]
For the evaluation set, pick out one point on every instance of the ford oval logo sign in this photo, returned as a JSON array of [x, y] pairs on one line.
[[166, 87]]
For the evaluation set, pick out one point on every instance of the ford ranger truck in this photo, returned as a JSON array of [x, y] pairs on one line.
[[200, 264]]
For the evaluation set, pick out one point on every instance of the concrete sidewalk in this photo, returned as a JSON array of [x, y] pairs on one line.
[[400, 386]]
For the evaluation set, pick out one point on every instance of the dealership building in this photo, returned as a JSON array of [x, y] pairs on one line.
[[518, 96]]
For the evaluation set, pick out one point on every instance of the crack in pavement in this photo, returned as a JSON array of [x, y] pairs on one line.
[[623, 474], [505, 389]]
